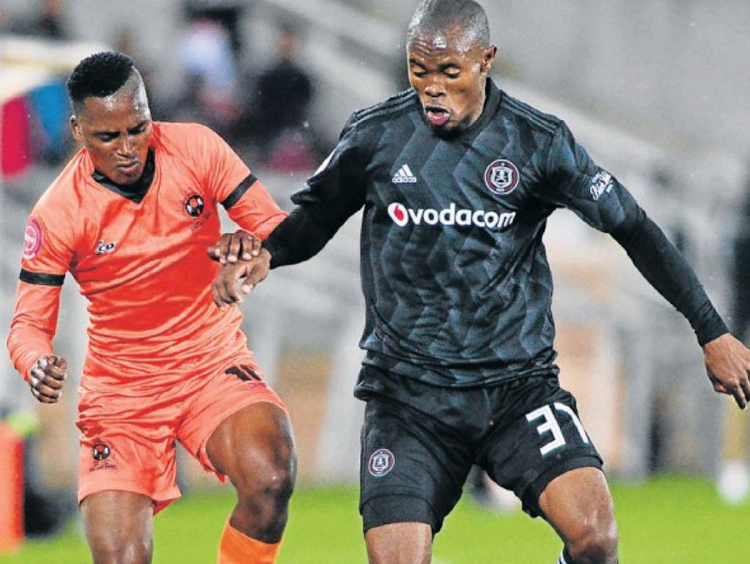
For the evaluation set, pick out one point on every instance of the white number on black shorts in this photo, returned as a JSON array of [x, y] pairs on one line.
[[550, 425]]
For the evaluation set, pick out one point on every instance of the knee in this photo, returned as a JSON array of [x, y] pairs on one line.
[[267, 478], [597, 545], [124, 552]]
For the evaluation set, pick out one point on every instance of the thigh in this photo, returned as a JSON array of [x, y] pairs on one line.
[[399, 543], [576, 501], [548, 440], [119, 526], [253, 443], [412, 467], [234, 408]]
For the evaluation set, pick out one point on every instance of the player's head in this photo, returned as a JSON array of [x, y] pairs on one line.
[[111, 116], [449, 56]]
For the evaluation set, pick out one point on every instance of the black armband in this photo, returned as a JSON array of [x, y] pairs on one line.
[[239, 191], [41, 279]]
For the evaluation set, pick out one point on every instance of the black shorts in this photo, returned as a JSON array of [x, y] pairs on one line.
[[419, 442]]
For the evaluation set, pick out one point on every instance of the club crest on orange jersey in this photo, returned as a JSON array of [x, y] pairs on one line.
[[501, 177], [194, 205], [33, 238]]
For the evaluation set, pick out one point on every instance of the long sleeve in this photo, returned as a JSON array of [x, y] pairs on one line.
[[251, 207], [299, 237], [596, 196], [659, 261], [33, 325], [328, 198]]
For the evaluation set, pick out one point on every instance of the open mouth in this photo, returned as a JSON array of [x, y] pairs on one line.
[[436, 115]]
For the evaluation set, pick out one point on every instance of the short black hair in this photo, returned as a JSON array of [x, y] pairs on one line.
[[99, 75], [432, 17]]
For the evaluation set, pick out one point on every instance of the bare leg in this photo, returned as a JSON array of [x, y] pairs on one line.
[[579, 507], [399, 543], [255, 449], [119, 527]]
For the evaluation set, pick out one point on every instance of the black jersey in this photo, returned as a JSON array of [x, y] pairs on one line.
[[456, 281]]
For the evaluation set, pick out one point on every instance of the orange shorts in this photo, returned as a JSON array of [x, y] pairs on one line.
[[129, 442]]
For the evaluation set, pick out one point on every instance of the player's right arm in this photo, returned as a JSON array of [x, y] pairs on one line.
[[329, 197], [335, 192], [37, 306]]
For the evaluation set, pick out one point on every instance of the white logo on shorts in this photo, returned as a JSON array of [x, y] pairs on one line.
[[381, 462]]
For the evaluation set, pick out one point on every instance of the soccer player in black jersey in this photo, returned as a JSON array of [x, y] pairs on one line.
[[457, 179]]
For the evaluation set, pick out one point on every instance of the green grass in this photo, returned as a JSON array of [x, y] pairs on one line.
[[667, 520]]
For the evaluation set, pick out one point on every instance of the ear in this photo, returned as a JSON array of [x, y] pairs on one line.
[[489, 57], [75, 129]]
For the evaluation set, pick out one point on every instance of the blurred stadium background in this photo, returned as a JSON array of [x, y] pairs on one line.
[[657, 90]]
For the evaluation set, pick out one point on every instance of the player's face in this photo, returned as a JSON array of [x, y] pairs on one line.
[[450, 77], [116, 130]]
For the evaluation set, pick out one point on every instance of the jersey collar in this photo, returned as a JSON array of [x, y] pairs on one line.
[[135, 192], [494, 96]]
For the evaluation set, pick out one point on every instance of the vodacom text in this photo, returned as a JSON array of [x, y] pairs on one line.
[[401, 215]]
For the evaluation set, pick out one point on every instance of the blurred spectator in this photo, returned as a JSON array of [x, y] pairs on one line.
[[733, 477], [126, 42], [208, 63], [278, 120], [49, 24], [5, 23], [741, 274], [227, 13]]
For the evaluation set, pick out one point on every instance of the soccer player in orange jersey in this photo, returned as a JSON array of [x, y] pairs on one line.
[[130, 218]]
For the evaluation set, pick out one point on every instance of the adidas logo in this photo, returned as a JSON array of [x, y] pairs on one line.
[[404, 176]]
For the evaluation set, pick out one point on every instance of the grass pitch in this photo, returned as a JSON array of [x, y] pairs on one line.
[[667, 520]]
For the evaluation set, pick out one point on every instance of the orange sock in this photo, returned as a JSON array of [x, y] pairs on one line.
[[236, 548]]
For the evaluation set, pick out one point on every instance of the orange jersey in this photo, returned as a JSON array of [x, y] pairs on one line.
[[139, 258]]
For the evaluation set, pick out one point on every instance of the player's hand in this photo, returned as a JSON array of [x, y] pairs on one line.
[[235, 246], [224, 289], [48, 377], [728, 367]]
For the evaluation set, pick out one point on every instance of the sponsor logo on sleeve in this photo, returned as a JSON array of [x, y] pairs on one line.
[[33, 238], [501, 177], [600, 184]]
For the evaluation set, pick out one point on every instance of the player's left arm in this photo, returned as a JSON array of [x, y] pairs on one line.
[[728, 367], [599, 199], [251, 207], [233, 185], [727, 359]]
